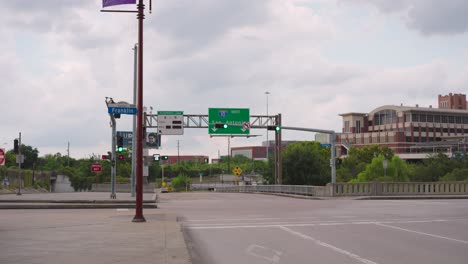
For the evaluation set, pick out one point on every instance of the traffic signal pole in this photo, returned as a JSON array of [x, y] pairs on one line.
[[113, 158]]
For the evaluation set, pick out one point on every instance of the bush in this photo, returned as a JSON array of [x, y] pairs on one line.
[[41, 184], [181, 183]]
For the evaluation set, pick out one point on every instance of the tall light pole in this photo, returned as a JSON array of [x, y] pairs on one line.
[[268, 122]]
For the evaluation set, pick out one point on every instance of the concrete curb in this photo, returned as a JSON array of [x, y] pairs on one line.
[[70, 206], [76, 201]]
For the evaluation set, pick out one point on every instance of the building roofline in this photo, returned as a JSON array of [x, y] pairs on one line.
[[418, 109]]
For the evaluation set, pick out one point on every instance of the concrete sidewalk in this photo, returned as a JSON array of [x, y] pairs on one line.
[[104, 236]]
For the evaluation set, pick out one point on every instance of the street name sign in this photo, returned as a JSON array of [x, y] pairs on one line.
[[2, 157], [122, 108], [237, 120], [171, 122]]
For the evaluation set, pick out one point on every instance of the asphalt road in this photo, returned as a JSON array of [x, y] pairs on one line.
[[225, 228]]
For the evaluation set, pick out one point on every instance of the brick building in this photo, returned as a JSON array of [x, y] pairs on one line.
[[412, 132]]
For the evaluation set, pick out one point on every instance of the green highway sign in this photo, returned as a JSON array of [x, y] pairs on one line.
[[236, 119]]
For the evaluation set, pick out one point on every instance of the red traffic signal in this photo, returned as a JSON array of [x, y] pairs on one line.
[[105, 157], [121, 157]]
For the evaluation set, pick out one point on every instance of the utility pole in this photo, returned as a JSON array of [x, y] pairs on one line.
[[178, 154], [68, 154], [229, 154], [139, 169], [20, 160], [134, 143]]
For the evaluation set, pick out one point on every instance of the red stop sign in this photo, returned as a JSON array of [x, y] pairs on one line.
[[2, 157]]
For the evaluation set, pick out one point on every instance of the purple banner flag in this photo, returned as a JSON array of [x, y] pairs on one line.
[[106, 3]]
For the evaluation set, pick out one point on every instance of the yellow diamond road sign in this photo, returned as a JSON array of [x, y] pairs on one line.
[[237, 171]]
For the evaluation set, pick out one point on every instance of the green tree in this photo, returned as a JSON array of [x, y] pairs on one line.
[[435, 167], [458, 174], [306, 163], [358, 159], [397, 170]]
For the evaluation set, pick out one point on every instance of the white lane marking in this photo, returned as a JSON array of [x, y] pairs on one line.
[[122, 210], [271, 255], [307, 224], [247, 219], [422, 233], [323, 244]]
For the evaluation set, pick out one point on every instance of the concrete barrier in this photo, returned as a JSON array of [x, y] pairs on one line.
[[358, 189], [120, 187], [399, 188]]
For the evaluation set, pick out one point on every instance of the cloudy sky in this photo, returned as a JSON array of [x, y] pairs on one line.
[[59, 59]]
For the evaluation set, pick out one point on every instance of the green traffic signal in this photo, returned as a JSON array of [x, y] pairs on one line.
[[276, 128], [120, 149]]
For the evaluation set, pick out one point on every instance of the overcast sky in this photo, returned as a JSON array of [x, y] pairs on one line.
[[59, 59]]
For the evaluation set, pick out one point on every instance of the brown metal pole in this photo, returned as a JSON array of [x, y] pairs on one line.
[[139, 127]]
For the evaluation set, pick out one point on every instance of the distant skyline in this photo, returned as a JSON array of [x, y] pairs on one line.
[[317, 59]]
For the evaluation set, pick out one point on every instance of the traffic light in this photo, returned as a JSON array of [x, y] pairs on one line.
[[156, 157], [275, 128], [105, 157], [16, 146], [121, 157], [221, 125], [164, 157], [119, 143]]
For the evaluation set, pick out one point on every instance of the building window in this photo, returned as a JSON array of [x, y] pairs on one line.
[[451, 119], [346, 126], [452, 131], [458, 119], [430, 118], [465, 120], [437, 118], [358, 126], [408, 139], [366, 140], [444, 119], [382, 139], [422, 118], [415, 117]]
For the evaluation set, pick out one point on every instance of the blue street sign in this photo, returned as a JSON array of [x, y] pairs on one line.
[[325, 145], [122, 110]]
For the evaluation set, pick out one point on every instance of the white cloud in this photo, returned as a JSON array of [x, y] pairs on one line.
[[60, 61]]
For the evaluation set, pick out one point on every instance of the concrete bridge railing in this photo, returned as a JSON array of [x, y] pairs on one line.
[[358, 189]]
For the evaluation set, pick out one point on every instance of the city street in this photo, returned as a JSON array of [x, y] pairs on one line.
[[253, 228]]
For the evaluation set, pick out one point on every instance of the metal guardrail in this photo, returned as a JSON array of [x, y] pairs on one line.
[[357, 189], [286, 189]]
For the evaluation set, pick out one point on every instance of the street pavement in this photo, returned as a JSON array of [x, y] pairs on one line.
[[252, 228], [94, 236]]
